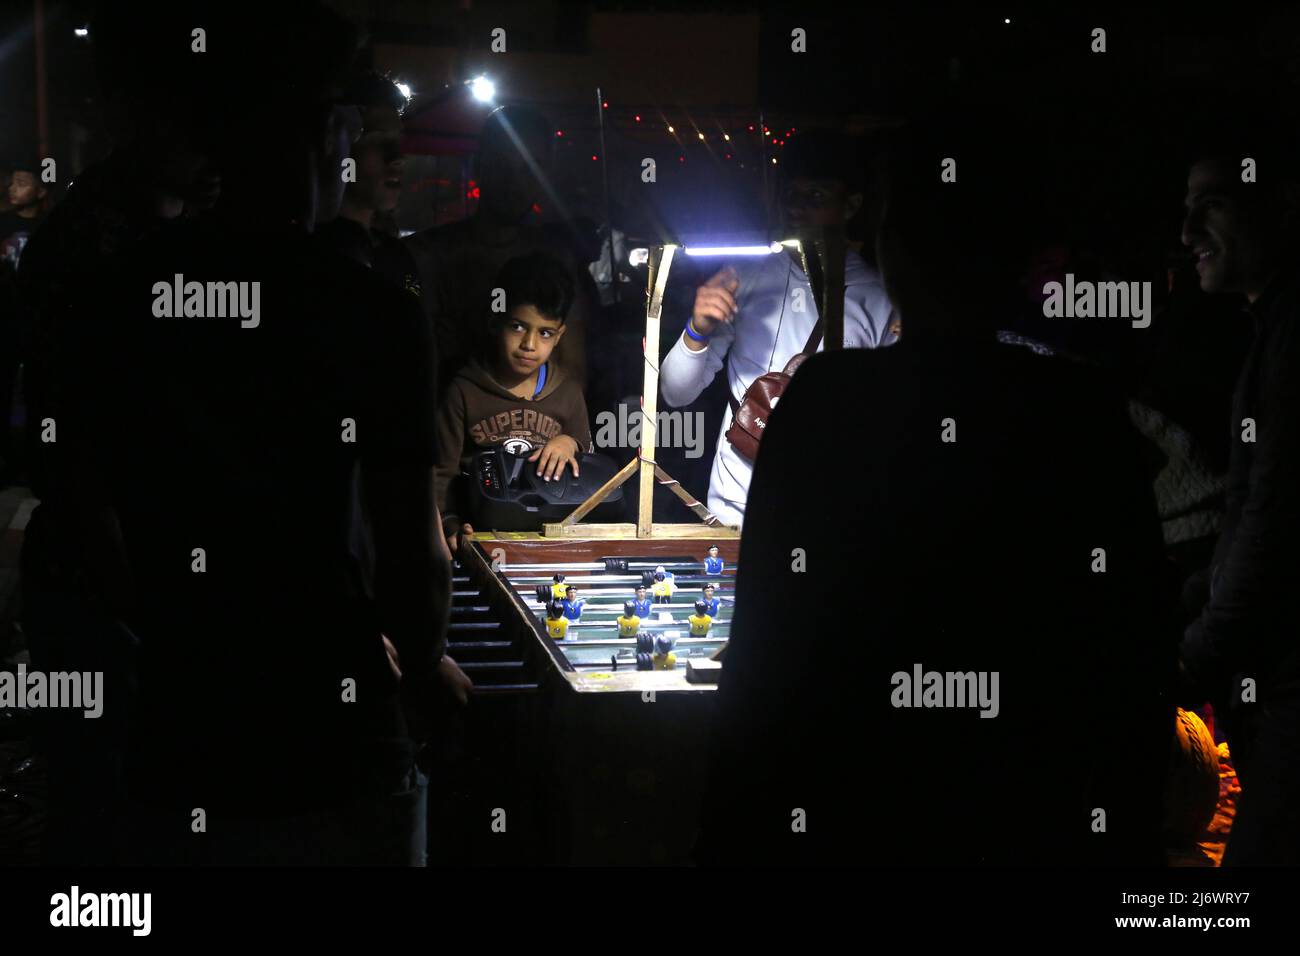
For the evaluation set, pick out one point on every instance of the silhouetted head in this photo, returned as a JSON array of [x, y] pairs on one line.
[[954, 229], [1242, 209], [262, 105], [822, 176], [378, 150]]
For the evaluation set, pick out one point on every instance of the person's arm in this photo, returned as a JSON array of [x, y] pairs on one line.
[[397, 443], [1252, 597], [691, 363], [576, 422]]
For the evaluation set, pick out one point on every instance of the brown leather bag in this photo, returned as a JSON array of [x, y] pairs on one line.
[[749, 416]]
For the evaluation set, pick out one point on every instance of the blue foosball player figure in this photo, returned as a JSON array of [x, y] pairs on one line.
[[630, 622], [664, 658], [710, 601], [642, 603], [557, 625], [572, 604], [663, 586], [559, 587], [645, 645], [700, 620], [713, 564]]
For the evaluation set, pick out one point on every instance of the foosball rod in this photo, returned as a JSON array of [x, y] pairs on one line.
[[631, 642], [533, 580], [645, 625], [637, 565]]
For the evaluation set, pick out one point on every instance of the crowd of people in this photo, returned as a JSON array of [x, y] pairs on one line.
[[249, 526]]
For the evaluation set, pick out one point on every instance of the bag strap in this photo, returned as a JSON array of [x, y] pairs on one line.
[[814, 337]]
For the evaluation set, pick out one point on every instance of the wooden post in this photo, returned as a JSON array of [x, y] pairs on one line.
[[661, 260]]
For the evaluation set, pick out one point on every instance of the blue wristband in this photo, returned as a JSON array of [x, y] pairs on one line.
[[690, 330]]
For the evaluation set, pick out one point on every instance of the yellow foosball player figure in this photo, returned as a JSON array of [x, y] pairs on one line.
[[559, 588], [700, 620], [664, 658], [629, 623], [557, 625], [663, 586]]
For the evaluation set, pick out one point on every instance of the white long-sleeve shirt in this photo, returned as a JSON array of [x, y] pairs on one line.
[[776, 312]]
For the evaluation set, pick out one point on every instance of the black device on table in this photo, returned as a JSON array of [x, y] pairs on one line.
[[507, 494]]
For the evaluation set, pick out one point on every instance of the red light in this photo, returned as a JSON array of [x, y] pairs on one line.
[[605, 105], [728, 156], [681, 159], [537, 208], [751, 129], [593, 157], [638, 119], [559, 132]]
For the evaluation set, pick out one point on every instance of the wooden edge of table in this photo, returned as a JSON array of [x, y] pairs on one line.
[[623, 530], [629, 681]]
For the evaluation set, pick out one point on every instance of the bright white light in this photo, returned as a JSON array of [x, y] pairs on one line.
[[404, 90], [638, 257], [483, 89], [671, 130], [81, 32], [1007, 20], [733, 250]]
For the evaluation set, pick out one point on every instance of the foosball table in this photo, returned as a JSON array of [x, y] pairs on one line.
[[666, 645], [588, 755]]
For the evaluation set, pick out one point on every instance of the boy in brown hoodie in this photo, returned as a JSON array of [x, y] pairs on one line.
[[511, 394]]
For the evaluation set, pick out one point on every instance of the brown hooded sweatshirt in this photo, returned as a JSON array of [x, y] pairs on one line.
[[479, 413]]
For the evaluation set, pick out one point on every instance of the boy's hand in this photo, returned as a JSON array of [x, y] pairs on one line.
[[463, 534], [455, 681], [555, 454], [715, 301]]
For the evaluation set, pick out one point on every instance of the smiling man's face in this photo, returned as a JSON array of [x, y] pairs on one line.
[[1228, 243]]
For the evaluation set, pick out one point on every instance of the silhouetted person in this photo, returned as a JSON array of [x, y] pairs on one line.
[[355, 231], [459, 261], [942, 506], [218, 427], [752, 317], [1242, 651], [161, 160]]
